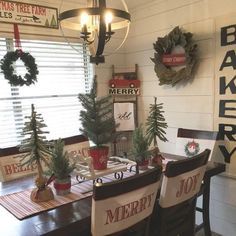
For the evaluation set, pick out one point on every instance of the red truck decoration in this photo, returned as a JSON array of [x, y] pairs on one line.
[[124, 84], [124, 87]]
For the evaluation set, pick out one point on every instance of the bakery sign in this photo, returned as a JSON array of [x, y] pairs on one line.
[[28, 14], [225, 89]]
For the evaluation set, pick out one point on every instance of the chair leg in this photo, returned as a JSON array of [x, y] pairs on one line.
[[205, 206]]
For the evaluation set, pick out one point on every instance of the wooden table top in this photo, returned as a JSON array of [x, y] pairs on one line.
[[70, 219]]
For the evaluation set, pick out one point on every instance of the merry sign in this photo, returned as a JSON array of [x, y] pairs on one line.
[[128, 210]]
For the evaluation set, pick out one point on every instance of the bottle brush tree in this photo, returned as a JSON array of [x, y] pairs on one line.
[[36, 151], [60, 165], [140, 147], [97, 119], [156, 125]]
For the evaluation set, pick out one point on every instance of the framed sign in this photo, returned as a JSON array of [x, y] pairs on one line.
[[28, 14], [124, 114], [225, 90]]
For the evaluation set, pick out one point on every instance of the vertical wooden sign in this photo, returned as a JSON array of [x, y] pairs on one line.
[[225, 89]]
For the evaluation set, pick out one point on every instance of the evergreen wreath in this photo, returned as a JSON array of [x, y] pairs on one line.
[[163, 46], [8, 68], [194, 145]]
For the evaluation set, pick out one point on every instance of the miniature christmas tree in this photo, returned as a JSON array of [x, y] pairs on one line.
[[36, 151], [155, 128], [97, 119], [98, 124], [60, 165], [140, 151]]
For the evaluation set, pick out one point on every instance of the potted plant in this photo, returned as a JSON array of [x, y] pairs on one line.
[[36, 151], [155, 128], [140, 151], [98, 124], [61, 168]]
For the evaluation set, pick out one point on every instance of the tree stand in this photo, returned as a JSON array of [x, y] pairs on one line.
[[41, 195]]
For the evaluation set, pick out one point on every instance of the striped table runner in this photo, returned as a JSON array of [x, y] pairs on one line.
[[20, 205]]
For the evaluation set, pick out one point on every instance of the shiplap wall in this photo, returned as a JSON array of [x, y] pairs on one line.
[[190, 105]]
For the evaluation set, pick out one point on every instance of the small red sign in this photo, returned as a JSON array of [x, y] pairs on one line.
[[123, 83], [174, 59]]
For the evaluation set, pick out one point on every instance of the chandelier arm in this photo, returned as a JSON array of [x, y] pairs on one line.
[[93, 11], [104, 35], [102, 30]]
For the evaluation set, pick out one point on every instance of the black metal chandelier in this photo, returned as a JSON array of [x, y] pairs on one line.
[[96, 24]]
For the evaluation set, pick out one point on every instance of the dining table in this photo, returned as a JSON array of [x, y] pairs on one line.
[[69, 219]]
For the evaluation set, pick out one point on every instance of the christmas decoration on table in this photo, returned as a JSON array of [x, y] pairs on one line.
[[61, 168], [98, 124], [140, 149], [191, 148], [155, 128], [36, 150], [164, 57], [7, 66]]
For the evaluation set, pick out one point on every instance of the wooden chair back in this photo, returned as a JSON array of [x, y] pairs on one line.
[[121, 205], [191, 142], [175, 213], [10, 166]]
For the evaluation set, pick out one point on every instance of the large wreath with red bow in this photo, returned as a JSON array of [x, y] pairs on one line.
[[164, 45], [7, 66]]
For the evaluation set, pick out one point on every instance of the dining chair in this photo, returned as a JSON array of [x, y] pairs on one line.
[[192, 141], [124, 207], [174, 213]]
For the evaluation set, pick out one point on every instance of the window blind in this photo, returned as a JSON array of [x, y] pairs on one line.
[[63, 73]]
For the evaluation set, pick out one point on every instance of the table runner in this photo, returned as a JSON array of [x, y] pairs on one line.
[[20, 205]]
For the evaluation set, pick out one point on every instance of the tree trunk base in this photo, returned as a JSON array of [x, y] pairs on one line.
[[43, 195]]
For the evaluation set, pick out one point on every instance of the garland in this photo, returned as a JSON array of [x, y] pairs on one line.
[[7, 66], [163, 46]]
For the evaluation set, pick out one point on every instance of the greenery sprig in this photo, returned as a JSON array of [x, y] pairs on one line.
[[7, 66], [165, 45]]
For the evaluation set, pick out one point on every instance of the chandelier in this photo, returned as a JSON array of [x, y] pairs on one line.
[[96, 24]]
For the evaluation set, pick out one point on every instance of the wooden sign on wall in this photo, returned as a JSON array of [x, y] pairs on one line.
[[225, 89], [28, 14]]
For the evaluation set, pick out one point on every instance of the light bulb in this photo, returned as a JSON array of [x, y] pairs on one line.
[[108, 17], [84, 18]]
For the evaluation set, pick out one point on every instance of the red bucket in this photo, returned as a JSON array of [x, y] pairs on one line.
[[100, 157]]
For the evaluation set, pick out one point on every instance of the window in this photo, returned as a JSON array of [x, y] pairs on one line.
[[63, 73]]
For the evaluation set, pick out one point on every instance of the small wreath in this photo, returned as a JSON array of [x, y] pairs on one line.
[[192, 148], [163, 46], [8, 68]]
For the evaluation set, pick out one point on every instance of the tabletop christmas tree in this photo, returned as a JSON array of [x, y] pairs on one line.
[[36, 150], [140, 152], [98, 124], [155, 128]]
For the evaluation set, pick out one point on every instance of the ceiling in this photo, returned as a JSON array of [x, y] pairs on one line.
[[130, 3], [136, 3]]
